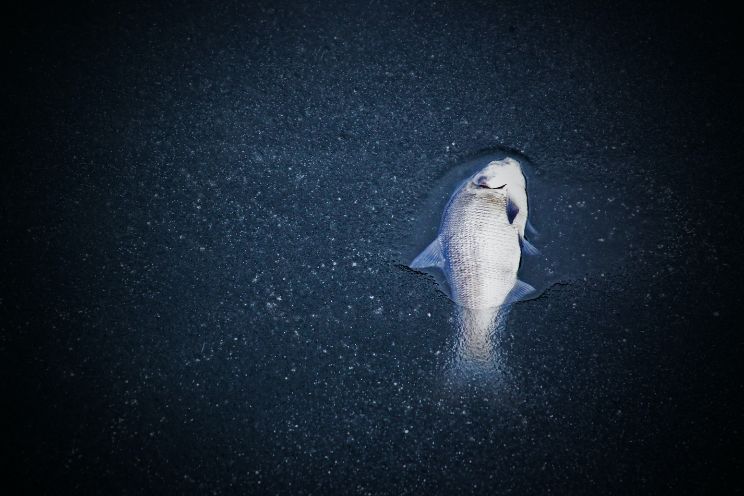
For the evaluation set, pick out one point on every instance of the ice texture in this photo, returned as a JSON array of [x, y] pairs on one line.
[[204, 211]]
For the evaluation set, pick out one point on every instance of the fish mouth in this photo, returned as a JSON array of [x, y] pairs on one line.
[[482, 182], [486, 186]]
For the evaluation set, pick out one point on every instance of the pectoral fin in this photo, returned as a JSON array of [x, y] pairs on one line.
[[430, 257], [511, 210], [528, 248], [531, 229], [519, 292]]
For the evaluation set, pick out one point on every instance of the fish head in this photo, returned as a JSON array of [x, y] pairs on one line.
[[498, 177]]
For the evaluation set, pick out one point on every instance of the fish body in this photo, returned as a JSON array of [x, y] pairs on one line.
[[478, 244], [480, 247]]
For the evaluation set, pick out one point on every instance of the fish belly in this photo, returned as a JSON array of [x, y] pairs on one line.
[[481, 251]]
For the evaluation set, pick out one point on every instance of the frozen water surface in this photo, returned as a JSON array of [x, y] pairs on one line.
[[205, 212]]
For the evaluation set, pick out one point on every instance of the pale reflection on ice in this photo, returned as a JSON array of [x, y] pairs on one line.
[[476, 344]]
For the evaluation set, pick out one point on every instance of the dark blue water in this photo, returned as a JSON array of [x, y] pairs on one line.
[[205, 218]]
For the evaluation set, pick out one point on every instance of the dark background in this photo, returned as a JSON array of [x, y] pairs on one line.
[[203, 208]]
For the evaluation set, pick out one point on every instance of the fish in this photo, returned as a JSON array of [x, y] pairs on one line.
[[481, 238]]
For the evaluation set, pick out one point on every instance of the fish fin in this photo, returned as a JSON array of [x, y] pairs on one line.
[[430, 257], [531, 229], [519, 292], [528, 248], [511, 210], [444, 287]]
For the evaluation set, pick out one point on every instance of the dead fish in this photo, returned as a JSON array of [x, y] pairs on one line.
[[481, 238]]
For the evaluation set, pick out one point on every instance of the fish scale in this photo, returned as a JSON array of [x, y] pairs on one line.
[[480, 247]]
